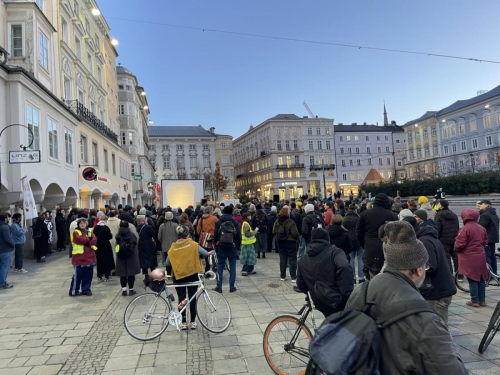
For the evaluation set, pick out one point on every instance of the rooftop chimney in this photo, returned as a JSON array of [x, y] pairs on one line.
[[212, 130]]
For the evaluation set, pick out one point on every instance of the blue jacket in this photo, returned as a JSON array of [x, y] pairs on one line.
[[6, 244], [232, 252], [18, 234]]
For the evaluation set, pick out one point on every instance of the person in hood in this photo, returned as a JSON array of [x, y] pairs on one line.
[[425, 205], [259, 220], [488, 219], [469, 244], [339, 236], [287, 237], [438, 287], [324, 269], [167, 234], [447, 228], [349, 223], [125, 215], [147, 247], [367, 231], [237, 216], [104, 252], [127, 268]]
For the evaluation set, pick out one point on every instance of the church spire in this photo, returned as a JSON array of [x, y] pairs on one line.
[[386, 121]]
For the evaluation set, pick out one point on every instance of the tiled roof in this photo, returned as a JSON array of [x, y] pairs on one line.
[[373, 177], [366, 128], [459, 104], [179, 131], [427, 115]]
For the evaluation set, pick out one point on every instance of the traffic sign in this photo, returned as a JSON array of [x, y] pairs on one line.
[[138, 177]]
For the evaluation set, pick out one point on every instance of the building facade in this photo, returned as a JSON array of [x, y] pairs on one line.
[[422, 138], [224, 156], [470, 134], [133, 110]]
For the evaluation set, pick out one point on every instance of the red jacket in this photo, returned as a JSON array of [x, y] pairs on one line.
[[328, 216], [469, 244], [88, 256]]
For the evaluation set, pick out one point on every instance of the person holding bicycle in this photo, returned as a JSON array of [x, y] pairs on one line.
[[184, 257]]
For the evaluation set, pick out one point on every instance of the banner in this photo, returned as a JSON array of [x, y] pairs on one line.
[[29, 206]]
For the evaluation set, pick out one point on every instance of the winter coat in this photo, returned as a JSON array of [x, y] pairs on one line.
[[328, 216], [417, 344], [309, 220], [430, 211], [18, 234], [328, 264], [239, 219], [299, 217], [206, 224], [147, 247], [6, 243], [349, 223], [228, 251], [489, 220], [60, 225], [104, 252], [439, 282], [259, 220], [367, 231], [114, 226], [131, 265], [339, 236], [290, 227], [469, 244], [127, 217], [88, 257], [447, 226], [41, 243], [167, 235]]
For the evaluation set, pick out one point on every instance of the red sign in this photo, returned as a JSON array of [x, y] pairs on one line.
[[89, 174], [158, 187], [103, 179]]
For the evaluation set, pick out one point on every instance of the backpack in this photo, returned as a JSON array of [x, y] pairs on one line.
[[125, 250], [349, 342], [281, 234], [227, 233], [35, 232], [316, 222]]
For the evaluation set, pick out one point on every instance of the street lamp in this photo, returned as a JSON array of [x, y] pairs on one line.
[[96, 12], [114, 42]]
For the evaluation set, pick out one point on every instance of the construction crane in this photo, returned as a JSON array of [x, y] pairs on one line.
[[308, 109]]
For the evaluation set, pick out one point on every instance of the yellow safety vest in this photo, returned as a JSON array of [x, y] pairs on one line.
[[77, 248], [246, 240]]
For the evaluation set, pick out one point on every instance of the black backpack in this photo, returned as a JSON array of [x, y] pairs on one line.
[[35, 231], [316, 222], [281, 234], [349, 342], [125, 251], [227, 233]]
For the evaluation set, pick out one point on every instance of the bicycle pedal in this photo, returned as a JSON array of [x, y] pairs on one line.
[[171, 297]]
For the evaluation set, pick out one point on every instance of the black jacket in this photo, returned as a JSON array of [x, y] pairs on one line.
[[260, 220], [446, 222], [327, 264], [307, 224], [367, 231], [233, 251], [60, 224], [489, 220], [439, 281], [340, 238], [349, 223], [271, 219]]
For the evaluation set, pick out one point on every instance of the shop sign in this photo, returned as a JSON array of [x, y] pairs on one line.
[[16, 157], [89, 174], [103, 179], [138, 177], [150, 185], [268, 185], [288, 183]]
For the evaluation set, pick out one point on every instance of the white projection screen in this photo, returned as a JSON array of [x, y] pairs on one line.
[[181, 193]]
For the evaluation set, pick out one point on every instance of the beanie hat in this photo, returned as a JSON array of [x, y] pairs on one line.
[[298, 203], [402, 250], [421, 214], [309, 208], [141, 218], [412, 221], [274, 209], [142, 211], [405, 213], [444, 203], [320, 234], [422, 200], [169, 215]]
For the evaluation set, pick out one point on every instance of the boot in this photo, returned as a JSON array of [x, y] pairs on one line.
[[263, 255], [258, 255]]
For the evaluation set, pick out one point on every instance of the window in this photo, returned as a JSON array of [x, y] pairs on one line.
[[309, 131], [83, 149], [379, 149], [166, 162], [474, 143], [410, 139], [120, 87], [287, 145], [311, 145], [43, 51], [328, 145], [352, 176], [123, 138], [358, 162], [297, 159], [348, 138], [95, 154], [121, 109], [99, 74], [40, 4], [453, 131], [289, 174], [356, 138], [463, 146], [318, 131], [163, 147], [76, 8], [369, 161], [367, 138], [297, 174], [462, 129], [87, 26], [320, 147], [282, 175], [311, 160], [192, 147], [488, 140], [67, 88], [388, 161], [379, 161], [16, 41], [206, 148], [368, 151], [357, 150], [487, 123], [279, 145], [344, 177], [343, 163], [129, 88], [378, 137], [349, 150], [417, 136], [32, 116], [389, 174], [180, 147], [78, 48], [341, 139], [81, 97], [484, 159], [351, 163], [433, 131], [425, 133], [435, 149], [473, 126], [97, 44], [327, 131], [445, 133], [419, 153], [427, 152], [400, 163], [53, 139], [113, 163], [130, 138], [90, 65], [92, 107], [68, 145], [412, 155], [223, 144], [342, 150], [386, 137], [387, 149], [382, 174], [106, 163], [295, 145], [360, 176], [206, 162], [194, 163]]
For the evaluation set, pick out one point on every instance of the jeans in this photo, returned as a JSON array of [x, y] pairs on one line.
[[82, 277], [288, 253], [221, 261], [4, 267], [359, 253], [491, 259], [19, 254], [441, 307], [452, 254], [302, 246], [477, 290], [247, 268]]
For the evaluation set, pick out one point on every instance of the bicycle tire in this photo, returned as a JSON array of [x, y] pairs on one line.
[[274, 345], [129, 318], [209, 302], [491, 331], [462, 285]]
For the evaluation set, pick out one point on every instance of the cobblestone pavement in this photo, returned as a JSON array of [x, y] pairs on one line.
[[44, 331]]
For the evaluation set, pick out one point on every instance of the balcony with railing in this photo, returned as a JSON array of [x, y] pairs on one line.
[[92, 119], [320, 167], [290, 166]]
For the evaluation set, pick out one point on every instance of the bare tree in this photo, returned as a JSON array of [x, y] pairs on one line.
[[219, 182]]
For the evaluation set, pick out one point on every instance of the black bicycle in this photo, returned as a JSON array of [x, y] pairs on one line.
[[492, 329], [462, 283]]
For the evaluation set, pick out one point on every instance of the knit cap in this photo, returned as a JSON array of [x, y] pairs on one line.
[[405, 213], [421, 214], [142, 211], [274, 209], [320, 234], [402, 250], [309, 208], [169, 215], [422, 200]]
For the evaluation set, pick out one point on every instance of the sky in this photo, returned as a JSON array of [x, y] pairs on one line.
[[230, 82]]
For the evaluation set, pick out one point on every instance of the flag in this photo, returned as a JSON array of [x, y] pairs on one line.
[[29, 206]]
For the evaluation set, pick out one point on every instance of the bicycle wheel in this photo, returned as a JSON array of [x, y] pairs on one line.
[[284, 354], [492, 329], [462, 283], [213, 311], [145, 317]]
